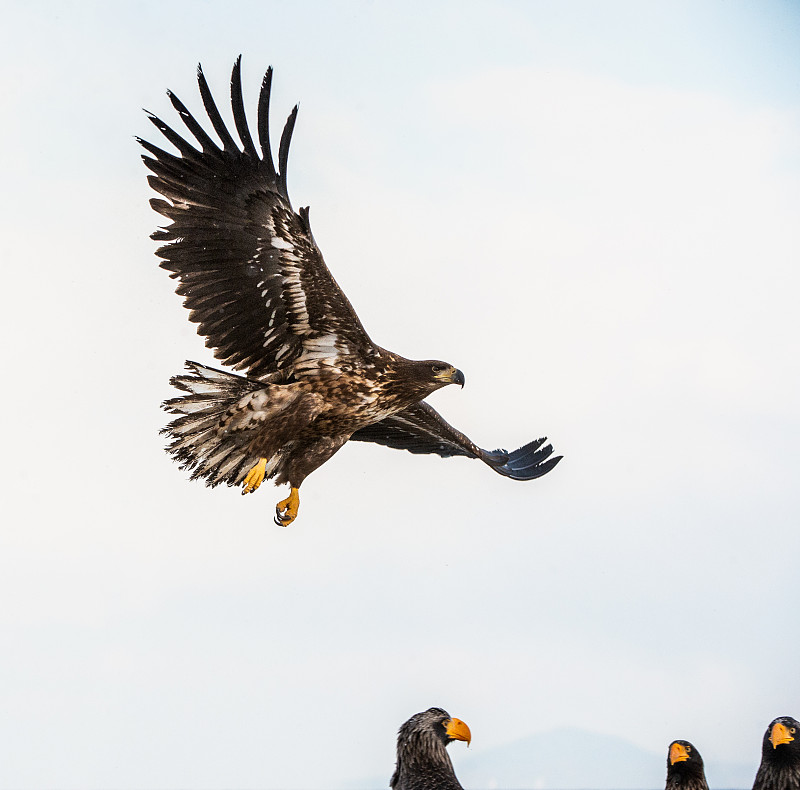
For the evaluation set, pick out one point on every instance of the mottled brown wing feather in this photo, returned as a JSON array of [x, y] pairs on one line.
[[249, 269]]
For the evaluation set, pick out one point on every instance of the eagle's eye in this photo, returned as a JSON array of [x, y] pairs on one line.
[[437, 368], [791, 730], [688, 749]]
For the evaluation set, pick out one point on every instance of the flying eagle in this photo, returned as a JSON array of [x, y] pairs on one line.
[[685, 767], [255, 281], [422, 759], [780, 756]]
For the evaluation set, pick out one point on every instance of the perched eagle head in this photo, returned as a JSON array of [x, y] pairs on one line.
[[685, 767], [422, 759], [780, 755], [781, 732], [782, 740]]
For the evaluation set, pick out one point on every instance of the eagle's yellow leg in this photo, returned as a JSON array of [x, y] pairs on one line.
[[255, 477], [286, 509]]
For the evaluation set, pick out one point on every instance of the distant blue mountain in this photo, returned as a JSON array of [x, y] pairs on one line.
[[570, 759]]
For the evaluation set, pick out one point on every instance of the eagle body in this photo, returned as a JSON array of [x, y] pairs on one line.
[[422, 759], [427, 777], [685, 769], [780, 756], [255, 282], [302, 423]]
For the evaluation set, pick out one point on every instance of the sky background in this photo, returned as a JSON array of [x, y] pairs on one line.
[[592, 210]]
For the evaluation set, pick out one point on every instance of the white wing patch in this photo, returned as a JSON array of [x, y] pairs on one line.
[[321, 351], [291, 262], [293, 337], [294, 294]]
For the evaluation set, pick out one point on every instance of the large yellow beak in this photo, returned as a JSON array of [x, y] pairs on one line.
[[779, 735], [677, 753], [458, 730]]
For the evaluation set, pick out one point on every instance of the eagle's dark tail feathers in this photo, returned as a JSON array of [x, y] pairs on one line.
[[527, 463], [196, 443]]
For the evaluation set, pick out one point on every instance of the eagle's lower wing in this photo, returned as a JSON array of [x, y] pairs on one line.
[[248, 266], [421, 429]]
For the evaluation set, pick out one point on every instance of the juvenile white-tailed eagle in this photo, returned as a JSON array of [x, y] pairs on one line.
[[422, 759], [254, 280]]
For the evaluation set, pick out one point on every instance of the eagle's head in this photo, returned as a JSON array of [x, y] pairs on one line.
[[685, 767], [782, 741], [780, 755], [443, 373], [427, 375], [422, 760]]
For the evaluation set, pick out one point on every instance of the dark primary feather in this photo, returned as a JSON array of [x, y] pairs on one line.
[[421, 429], [780, 761], [422, 759], [685, 767], [249, 269]]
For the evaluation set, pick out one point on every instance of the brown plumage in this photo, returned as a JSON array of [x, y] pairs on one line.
[[255, 282]]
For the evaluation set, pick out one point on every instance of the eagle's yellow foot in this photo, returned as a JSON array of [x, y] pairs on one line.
[[286, 509], [255, 477]]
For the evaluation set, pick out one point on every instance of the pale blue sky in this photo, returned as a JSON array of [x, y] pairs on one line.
[[591, 209]]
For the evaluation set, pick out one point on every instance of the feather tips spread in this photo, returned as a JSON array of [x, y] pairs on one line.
[[197, 444], [421, 429], [233, 231]]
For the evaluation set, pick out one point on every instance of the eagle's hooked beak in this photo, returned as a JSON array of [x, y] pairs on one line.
[[458, 730], [677, 753], [779, 735], [450, 375]]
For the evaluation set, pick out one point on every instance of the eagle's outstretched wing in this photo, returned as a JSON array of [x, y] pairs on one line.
[[421, 429], [249, 269]]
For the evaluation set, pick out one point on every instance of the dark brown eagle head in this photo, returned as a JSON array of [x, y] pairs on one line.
[[419, 378], [422, 759], [438, 373], [685, 767], [780, 756]]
